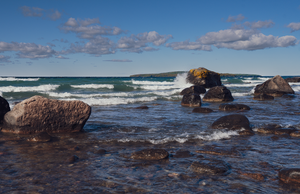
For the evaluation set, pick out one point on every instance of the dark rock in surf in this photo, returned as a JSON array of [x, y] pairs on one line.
[[40, 137], [183, 154], [292, 79], [72, 159], [193, 90], [150, 154], [263, 96], [210, 167], [4, 108], [204, 77], [38, 114], [233, 107], [290, 176], [218, 94], [275, 86], [142, 107], [202, 110], [191, 100], [101, 151], [218, 151], [276, 129], [232, 122]]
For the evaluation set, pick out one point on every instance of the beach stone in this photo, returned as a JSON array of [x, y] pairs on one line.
[[4, 108], [191, 100], [232, 122], [40, 137], [202, 110], [263, 96], [276, 129], [142, 107], [233, 107], [218, 94], [275, 86], [210, 166], [150, 154], [203, 77], [218, 151], [290, 175], [38, 114], [193, 90], [256, 176], [183, 154], [295, 134], [293, 79]]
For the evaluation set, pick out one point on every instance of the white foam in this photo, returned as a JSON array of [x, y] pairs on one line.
[[68, 95], [168, 139], [18, 79], [217, 135], [241, 85], [137, 82], [94, 86], [241, 94], [40, 88]]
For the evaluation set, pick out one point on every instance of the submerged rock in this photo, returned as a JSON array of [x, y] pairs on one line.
[[210, 166], [218, 94], [150, 154], [40, 137], [232, 122], [275, 86], [142, 107], [276, 129], [4, 108], [290, 175], [204, 77], [38, 114], [263, 96], [193, 90], [202, 110], [218, 151], [183, 154], [191, 100], [233, 107]]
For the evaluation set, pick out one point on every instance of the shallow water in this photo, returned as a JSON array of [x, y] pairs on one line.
[[116, 126]]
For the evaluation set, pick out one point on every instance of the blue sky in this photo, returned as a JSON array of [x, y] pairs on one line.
[[124, 37]]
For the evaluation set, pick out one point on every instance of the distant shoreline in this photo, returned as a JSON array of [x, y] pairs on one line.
[[175, 73]]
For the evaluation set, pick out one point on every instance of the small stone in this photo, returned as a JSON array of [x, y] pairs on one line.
[[150, 154]]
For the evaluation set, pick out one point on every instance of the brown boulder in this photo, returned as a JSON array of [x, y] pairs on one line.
[[233, 107], [150, 154], [193, 90], [232, 122], [218, 94], [275, 86], [204, 77], [290, 175], [38, 114], [276, 129], [4, 108], [202, 110], [263, 96], [191, 100]]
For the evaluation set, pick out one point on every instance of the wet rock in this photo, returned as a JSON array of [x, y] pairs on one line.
[[210, 166], [202, 110], [275, 86], [218, 94], [191, 100], [40, 137], [38, 114], [289, 96], [183, 154], [256, 176], [275, 129], [150, 154], [218, 151], [275, 138], [101, 151], [76, 148], [263, 96], [72, 159], [232, 122], [295, 134], [193, 90], [293, 79], [246, 132], [233, 107], [204, 77], [4, 108], [142, 107], [290, 175]]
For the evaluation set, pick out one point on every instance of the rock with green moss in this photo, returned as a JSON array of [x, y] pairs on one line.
[[204, 77]]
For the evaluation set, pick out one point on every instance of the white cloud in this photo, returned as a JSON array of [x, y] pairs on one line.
[[4, 59], [28, 50], [119, 60], [61, 57], [54, 15], [259, 41], [294, 26], [139, 43], [229, 35], [260, 24], [239, 17], [186, 45], [39, 12]]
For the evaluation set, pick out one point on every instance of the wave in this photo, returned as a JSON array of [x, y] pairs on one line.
[[68, 95], [241, 85], [18, 79], [242, 94], [217, 135], [40, 88], [94, 86]]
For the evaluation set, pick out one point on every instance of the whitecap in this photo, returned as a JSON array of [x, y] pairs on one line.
[[217, 135], [94, 86], [40, 88], [18, 79]]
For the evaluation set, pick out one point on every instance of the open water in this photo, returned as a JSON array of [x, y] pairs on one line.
[[118, 127]]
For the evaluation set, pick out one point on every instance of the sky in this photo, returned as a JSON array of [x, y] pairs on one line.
[[125, 37]]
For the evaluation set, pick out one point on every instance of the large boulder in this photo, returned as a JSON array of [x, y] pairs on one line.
[[191, 100], [263, 97], [4, 108], [218, 94], [290, 176], [232, 122], [38, 114], [204, 77], [193, 90], [293, 79], [275, 86]]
